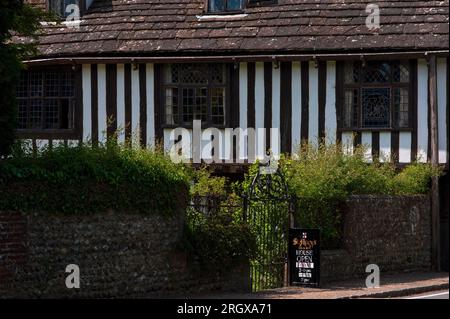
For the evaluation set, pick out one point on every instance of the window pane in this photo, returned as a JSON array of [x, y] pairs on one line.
[[194, 73], [218, 74], [400, 73], [66, 114], [376, 107], [216, 5], [52, 84], [22, 115], [350, 118], [376, 72], [51, 114], [171, 73], [401, 107], [172, 106], [59, 6], [234, 4], [36, 84], [351, 73], [195, 105], [35, 120], [188, 104], [67, 84], [201, 104], [22, 86], [218, 106]]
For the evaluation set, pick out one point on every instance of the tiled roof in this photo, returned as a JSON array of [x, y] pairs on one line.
[[156, 27]]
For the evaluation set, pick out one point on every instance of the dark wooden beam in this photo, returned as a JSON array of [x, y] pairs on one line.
[[434, 140]]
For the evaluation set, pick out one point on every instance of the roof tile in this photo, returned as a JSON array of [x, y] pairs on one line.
[[158, 27]]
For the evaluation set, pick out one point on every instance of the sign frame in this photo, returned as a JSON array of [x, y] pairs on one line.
[[308, 238]]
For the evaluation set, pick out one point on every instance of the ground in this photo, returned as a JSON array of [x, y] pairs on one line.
[[416, 284]]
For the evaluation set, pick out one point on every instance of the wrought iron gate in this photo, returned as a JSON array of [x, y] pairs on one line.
[[267, 208]]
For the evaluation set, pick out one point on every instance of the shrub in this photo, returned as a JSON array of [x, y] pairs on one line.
[[218, 241], [322, 177], [204, 184], [84, 179], [215, 235], [414, 179]]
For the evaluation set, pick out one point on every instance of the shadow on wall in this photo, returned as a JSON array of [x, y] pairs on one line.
[[393, 232]]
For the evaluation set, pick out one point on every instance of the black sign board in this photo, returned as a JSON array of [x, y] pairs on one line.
[[304, 257]]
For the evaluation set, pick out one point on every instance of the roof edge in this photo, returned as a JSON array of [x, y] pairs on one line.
[[237, 58]]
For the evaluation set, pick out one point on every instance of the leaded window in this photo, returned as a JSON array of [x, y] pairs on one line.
[[195, 92], [46, 100], [376, 95]]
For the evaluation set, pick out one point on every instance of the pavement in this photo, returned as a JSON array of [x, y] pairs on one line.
[[391, 286], [430, 295]]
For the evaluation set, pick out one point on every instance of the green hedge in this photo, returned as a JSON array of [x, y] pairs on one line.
[[84, 179]]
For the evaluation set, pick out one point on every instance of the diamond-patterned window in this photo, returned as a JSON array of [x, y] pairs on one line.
[[46, 100], [376, 107], [195, 92], [376, 95], [377, 72]]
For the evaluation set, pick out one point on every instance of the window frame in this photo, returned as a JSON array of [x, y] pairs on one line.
[[81, 5], [180, 86], [56, 134], [341, 88], [226, 11]]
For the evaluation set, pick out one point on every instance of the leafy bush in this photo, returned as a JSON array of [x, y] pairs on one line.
[[323, 176], [84, 179], [215, 235], [218, 241], [414, 179], [204, 184]]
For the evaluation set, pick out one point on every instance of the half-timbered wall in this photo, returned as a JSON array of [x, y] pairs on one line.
[[298, 98]]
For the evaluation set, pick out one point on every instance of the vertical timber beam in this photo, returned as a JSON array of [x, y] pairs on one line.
[[434, 140]]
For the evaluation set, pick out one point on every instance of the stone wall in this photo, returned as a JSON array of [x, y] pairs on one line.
[[136, 255], [119, 255], [392, 232]]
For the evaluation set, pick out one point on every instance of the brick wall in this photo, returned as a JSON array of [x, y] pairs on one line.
[[12, 244], [392, 232]]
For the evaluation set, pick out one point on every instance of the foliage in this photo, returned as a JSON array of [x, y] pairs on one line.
[[322, 177], [204, 184], [215, 235], [414, 179], [16, 18], [87, 179], [218, 241]]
